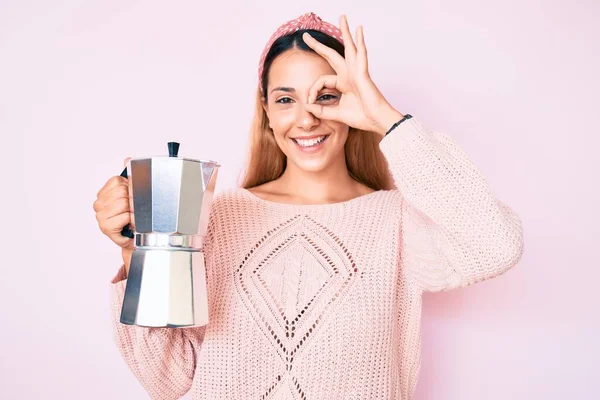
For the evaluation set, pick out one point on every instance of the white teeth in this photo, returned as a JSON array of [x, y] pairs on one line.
[[310, 142]]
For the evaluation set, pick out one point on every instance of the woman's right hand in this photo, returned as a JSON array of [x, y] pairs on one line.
[[112, 210]]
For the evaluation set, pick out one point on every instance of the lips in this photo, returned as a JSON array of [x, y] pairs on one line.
[[310, 141], [311, 146]]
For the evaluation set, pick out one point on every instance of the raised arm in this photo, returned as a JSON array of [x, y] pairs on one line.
[[454, 232]]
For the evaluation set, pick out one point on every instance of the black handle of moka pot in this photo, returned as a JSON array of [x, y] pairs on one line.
[[126, 231], [173, 150]]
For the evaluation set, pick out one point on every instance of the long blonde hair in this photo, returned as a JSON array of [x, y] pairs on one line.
[[266, 162]]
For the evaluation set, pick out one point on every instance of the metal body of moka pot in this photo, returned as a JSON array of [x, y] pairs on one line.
[[170, 198]]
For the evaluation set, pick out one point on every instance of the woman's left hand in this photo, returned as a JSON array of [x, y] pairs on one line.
[[361, 106]]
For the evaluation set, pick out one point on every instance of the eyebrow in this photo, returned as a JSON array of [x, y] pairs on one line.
[[284, 89]]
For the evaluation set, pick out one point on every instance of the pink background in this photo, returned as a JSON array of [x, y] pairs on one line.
[[84, 84]]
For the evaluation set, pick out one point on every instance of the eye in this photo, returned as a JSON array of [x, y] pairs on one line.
[[283, 100], [326, 97]]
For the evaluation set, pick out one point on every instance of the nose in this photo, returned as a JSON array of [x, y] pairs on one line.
[[306, 120]]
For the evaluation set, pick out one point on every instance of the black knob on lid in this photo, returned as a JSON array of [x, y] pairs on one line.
[[173, 149]]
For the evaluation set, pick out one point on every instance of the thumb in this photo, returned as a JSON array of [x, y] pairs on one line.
[[126, 161], [323, 112]]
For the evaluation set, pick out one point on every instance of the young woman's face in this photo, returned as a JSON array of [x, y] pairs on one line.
[[310, 143]]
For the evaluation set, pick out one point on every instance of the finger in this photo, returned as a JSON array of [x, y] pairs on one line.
[[115, 226], [117, 192], [115, 208], [117, 222], [324, 81], [111, 183], [123, 241], [333, 58], [324, 112], [109, 195], [361, 50], [126, 160], [349, 46]]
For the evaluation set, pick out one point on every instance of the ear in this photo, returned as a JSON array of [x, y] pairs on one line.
[[266, 108]]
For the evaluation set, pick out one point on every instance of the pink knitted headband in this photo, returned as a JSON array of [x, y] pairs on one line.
[[307, 21]]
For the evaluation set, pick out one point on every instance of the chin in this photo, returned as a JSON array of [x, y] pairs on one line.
[[315, 165]]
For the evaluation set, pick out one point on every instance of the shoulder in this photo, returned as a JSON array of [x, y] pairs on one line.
[[225, 197], [387, 199], [384, 194], [224, 205]]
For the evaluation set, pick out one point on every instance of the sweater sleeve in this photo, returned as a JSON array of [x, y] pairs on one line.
[[162, 359], [454, 232]]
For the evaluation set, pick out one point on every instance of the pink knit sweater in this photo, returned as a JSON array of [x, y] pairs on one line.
[[324, 301]]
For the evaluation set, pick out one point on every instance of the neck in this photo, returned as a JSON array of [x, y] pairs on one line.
[[332, 184]]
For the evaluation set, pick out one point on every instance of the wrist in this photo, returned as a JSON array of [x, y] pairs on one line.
[[386, 118]]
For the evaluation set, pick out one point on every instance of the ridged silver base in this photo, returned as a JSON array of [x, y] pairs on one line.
[[166, 288]]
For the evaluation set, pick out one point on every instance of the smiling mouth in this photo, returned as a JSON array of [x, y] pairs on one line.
[[307, 143]]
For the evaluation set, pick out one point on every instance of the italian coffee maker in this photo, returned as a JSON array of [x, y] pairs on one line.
[[170, 198]]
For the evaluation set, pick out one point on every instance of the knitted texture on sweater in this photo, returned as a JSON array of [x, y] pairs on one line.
[[324, 301]]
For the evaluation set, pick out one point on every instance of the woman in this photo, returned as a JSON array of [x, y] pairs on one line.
[[316, 266]]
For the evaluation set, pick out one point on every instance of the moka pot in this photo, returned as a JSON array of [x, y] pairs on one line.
[[171, 199]]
